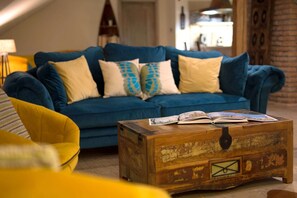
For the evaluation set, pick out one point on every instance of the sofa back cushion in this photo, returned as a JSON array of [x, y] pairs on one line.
[[50, 78], [92, 55], [118, 52], [233, 74], [172, 54]]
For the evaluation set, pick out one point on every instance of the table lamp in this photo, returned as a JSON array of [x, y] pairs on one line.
[[6, 46]]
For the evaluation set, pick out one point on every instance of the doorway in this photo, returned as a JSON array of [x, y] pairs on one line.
[[138, 23]]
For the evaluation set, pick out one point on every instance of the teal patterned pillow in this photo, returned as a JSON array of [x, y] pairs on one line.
[[157, 79], [9, 119], [121, 78]]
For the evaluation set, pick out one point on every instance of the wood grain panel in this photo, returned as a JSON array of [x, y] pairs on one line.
[[181, 158]]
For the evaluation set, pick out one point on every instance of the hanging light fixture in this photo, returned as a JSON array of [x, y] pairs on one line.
[[218, 7]]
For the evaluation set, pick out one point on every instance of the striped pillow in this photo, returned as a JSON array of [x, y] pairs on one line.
[[9, 119]]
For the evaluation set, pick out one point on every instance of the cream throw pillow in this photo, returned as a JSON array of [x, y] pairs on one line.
[[77, 79], [121, 78], [29, 157], [157, 79], [199, 75]]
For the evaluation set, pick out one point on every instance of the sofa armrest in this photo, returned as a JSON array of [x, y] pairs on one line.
[[45, 125], [262, 80], [24, 86]]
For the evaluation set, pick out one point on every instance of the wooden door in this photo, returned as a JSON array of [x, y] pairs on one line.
[[138, 23]]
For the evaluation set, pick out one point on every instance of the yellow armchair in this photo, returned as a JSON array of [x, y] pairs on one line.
[[18, 63], [45, 183], [47, 126]]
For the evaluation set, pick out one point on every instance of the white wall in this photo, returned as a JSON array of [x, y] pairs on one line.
[[62, 25], [166, 22], [74, 24], [182, 36]]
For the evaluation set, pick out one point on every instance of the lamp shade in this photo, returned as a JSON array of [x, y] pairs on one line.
[[218, 7], [7, 46]]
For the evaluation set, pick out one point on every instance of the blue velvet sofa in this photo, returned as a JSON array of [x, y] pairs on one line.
[[244, 86]]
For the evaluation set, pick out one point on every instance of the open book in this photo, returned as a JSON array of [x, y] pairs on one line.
[[200, 117]]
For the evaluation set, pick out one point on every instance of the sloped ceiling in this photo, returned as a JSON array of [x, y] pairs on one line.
[[13, 11], [4, 3]]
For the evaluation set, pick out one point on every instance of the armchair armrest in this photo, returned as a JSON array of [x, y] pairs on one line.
[[24, 86], [262, 80], [45, 125], [46, 183]]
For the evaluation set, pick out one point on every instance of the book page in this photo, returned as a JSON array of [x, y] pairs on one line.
[[192, 115], [237, 116], [163, 120], [198, 121], [226, 116], [229, 120], [200, 117], [260, 117]]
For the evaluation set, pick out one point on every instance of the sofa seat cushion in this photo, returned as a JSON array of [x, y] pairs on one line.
[[105, 112], [99, 132], [176, 104], [98, 137]]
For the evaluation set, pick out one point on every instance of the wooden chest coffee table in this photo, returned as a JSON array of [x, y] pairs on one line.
[[181, 158]]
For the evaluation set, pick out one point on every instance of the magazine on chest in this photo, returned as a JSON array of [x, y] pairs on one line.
[[201, 117]]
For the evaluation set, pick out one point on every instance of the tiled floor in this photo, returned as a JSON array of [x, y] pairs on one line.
[[104, 162]]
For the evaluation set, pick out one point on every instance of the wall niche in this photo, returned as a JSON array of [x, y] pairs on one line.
[[108, 29]]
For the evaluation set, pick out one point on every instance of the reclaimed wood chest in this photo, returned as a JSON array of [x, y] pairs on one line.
[[181, 158]]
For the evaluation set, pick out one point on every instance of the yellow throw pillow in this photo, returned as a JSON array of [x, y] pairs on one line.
[[121, 78], [199, 75], [77, 79]]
